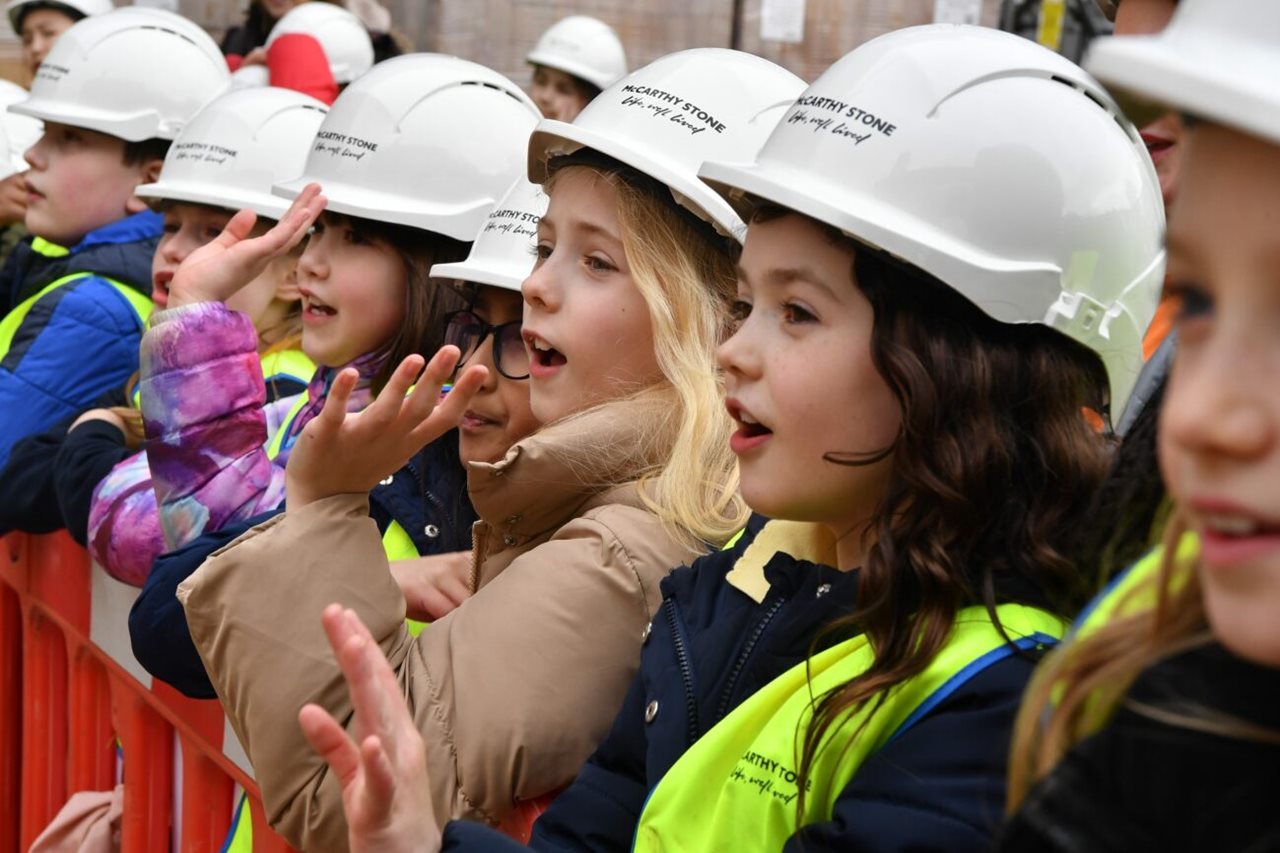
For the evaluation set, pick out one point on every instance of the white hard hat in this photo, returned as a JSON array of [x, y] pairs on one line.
[[21, 132], [250, 77], [344, 39], [989, 162], [424, 140], [18, 9], [584, 47], [668, 117], [1219, 60], [134, 73], [237, 148], [502, 255]]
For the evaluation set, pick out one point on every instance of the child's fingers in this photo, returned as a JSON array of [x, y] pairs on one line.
[[454, 405], [380, 777], [359, 660], [301, 215], [330, 741], [389, 689], [237, 228], [426, 394], [334, 411]]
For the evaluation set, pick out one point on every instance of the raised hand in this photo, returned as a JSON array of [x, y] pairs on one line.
[[381, 764], [342, 453], [221, 267]]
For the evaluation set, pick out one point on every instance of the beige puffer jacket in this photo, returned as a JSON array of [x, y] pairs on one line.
[[511, 691]]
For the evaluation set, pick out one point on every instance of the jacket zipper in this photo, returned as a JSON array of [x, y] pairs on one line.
[[686, 668], [741, 663]]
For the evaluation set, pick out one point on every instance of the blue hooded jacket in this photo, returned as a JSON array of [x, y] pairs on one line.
[[81, 339]]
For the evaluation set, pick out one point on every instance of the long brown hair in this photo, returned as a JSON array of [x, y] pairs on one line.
[[993, 465], [1077, 689], [425, 302]]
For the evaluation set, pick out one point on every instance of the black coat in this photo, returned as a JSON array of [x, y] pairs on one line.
[[939, 786], [1147, 784], [429, 492]]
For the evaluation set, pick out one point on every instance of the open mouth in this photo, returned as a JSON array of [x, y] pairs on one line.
[[543, 353], [1156, 145], [160, 287], [313, 307]]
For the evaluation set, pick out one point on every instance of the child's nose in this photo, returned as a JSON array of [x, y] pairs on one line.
[[539, 288]]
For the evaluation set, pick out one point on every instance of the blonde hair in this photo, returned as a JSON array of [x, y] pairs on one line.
[[1077, 688], [686, 281]]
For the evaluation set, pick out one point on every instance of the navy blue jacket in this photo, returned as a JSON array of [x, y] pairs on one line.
[[30, 482], [938, 786], [429, 492], [81, 340]]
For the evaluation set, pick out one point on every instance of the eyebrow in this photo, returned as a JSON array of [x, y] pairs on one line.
[[780, 276], [584, 225]]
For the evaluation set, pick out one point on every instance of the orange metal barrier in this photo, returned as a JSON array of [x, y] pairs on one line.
[[70, 687]]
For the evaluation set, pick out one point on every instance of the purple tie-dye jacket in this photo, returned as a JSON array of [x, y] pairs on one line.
[[208, 426]]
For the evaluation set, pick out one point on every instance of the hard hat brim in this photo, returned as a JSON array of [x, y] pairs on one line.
[[263, 204], [132, 128], [553, 137], [568, 66], [1205, 77], [459, 222], [509, 278]]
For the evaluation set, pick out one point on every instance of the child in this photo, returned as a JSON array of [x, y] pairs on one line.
[[1158, 727], [316, 48], [573, 60], [20, 134], [368, 303], [50, 477], [631, 475], [39, 23], [487, 333], [227, 158], [907, 399], [159, 69]]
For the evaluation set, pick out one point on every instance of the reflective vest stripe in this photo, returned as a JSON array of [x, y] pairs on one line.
[[142, 306], [736, 787], [287, 364], [240, 835], [276, 444], [1116, 600]]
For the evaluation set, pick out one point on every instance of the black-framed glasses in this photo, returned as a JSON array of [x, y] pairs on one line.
[[467, 332]]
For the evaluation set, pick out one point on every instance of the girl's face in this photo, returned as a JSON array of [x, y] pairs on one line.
[[40, 29], [1163, 137], [800, 382], [188, 226], [1220, 425], [353, 292], [586, 325], [556, 94], [500, 414]]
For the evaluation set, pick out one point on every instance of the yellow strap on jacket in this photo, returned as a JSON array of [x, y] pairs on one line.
[[1120, 599], [142, 306], [735, 789], [240, 836], [289, 363]]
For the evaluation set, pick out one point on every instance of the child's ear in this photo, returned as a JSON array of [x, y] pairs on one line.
[[148, 174], [287, 290]]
